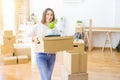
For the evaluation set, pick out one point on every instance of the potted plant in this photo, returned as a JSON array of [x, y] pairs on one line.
[[79, 23]]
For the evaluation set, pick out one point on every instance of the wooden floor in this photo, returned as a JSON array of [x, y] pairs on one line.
[[101, 66]]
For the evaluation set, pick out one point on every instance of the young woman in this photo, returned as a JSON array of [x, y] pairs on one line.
[[45, 61]]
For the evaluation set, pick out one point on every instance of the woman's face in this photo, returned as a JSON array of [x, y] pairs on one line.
[[49, 16]]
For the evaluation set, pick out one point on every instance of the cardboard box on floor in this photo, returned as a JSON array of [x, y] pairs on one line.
[[67, 76], [23, 51], [75, 62], [22, 59], [54, 44], [10, 60]]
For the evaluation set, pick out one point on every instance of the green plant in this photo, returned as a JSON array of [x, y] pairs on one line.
[[79, 21], [51, 25]]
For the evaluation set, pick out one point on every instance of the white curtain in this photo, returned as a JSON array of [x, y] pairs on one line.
[[1, 16]]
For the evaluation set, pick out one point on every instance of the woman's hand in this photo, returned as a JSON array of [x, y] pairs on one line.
[[36, 40]]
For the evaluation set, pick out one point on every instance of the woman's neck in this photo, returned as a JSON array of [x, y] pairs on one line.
[[46, 23]]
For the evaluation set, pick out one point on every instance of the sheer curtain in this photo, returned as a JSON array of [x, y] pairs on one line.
[[1, 16], [21, 9], [8, 15]]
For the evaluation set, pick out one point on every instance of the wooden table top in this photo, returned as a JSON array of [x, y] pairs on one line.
[[103, 29]]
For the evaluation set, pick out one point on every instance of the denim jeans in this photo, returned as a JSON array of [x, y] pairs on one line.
[[45, 64]]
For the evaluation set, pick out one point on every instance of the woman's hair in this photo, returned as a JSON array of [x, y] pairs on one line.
[[43, 20]]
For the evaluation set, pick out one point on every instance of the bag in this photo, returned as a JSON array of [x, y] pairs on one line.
[[77, 36], [118, 47]]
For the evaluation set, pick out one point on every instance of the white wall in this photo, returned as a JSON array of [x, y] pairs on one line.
[[117, 13], [102, 12], [116, 38]]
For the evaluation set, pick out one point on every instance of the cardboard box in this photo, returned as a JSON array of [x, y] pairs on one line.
[[8, 33], [75, 62], [78, 47], [78, 29], [23, 51], [60, 57], [7, 50], [10, 60], [66, 76], [54, 44], [22, 59], [9, 40]]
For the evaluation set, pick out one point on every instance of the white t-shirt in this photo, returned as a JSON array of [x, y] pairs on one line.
[[42, 30]]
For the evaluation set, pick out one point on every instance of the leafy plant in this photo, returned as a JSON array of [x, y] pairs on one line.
[[51, 25], [79, 21]]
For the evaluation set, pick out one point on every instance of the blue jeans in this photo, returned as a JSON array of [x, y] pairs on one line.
[[45, 64]]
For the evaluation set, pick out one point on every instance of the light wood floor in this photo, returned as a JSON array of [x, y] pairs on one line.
[[101, 66]]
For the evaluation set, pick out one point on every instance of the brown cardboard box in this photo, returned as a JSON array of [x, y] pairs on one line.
[[22, 59], [7, 50], [78, 47], [59, 57], [23, 51], [8, 33], [66, 76], [78, 29], [54, 44], [10, 60], [9, 40], [75, 62]]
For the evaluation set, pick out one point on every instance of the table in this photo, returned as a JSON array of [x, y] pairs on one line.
[[107, 30]]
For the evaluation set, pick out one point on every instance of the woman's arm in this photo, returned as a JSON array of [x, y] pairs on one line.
[[36, 34]]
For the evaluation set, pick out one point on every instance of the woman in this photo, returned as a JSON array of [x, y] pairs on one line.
[[45, 61]]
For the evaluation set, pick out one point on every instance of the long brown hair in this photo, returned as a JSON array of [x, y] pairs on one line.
[[43, 20]]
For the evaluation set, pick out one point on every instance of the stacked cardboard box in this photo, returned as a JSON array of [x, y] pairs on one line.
[[19, 51], [23, 52], [79, 29], [59, 57], [10, 60], [78, 47], [22, 59], [65, 75], [7, 48], [75, 66], [75, 63]]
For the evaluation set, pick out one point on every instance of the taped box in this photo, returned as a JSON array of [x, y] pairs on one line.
[[7, 50], [23, 51], [78, 47], [22, 59], [75, 62], [9, 40], [8, 33], [78, 76], [54, 44], [8, 60]]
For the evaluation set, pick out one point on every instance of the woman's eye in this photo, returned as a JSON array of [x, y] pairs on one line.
[[51, 15]]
